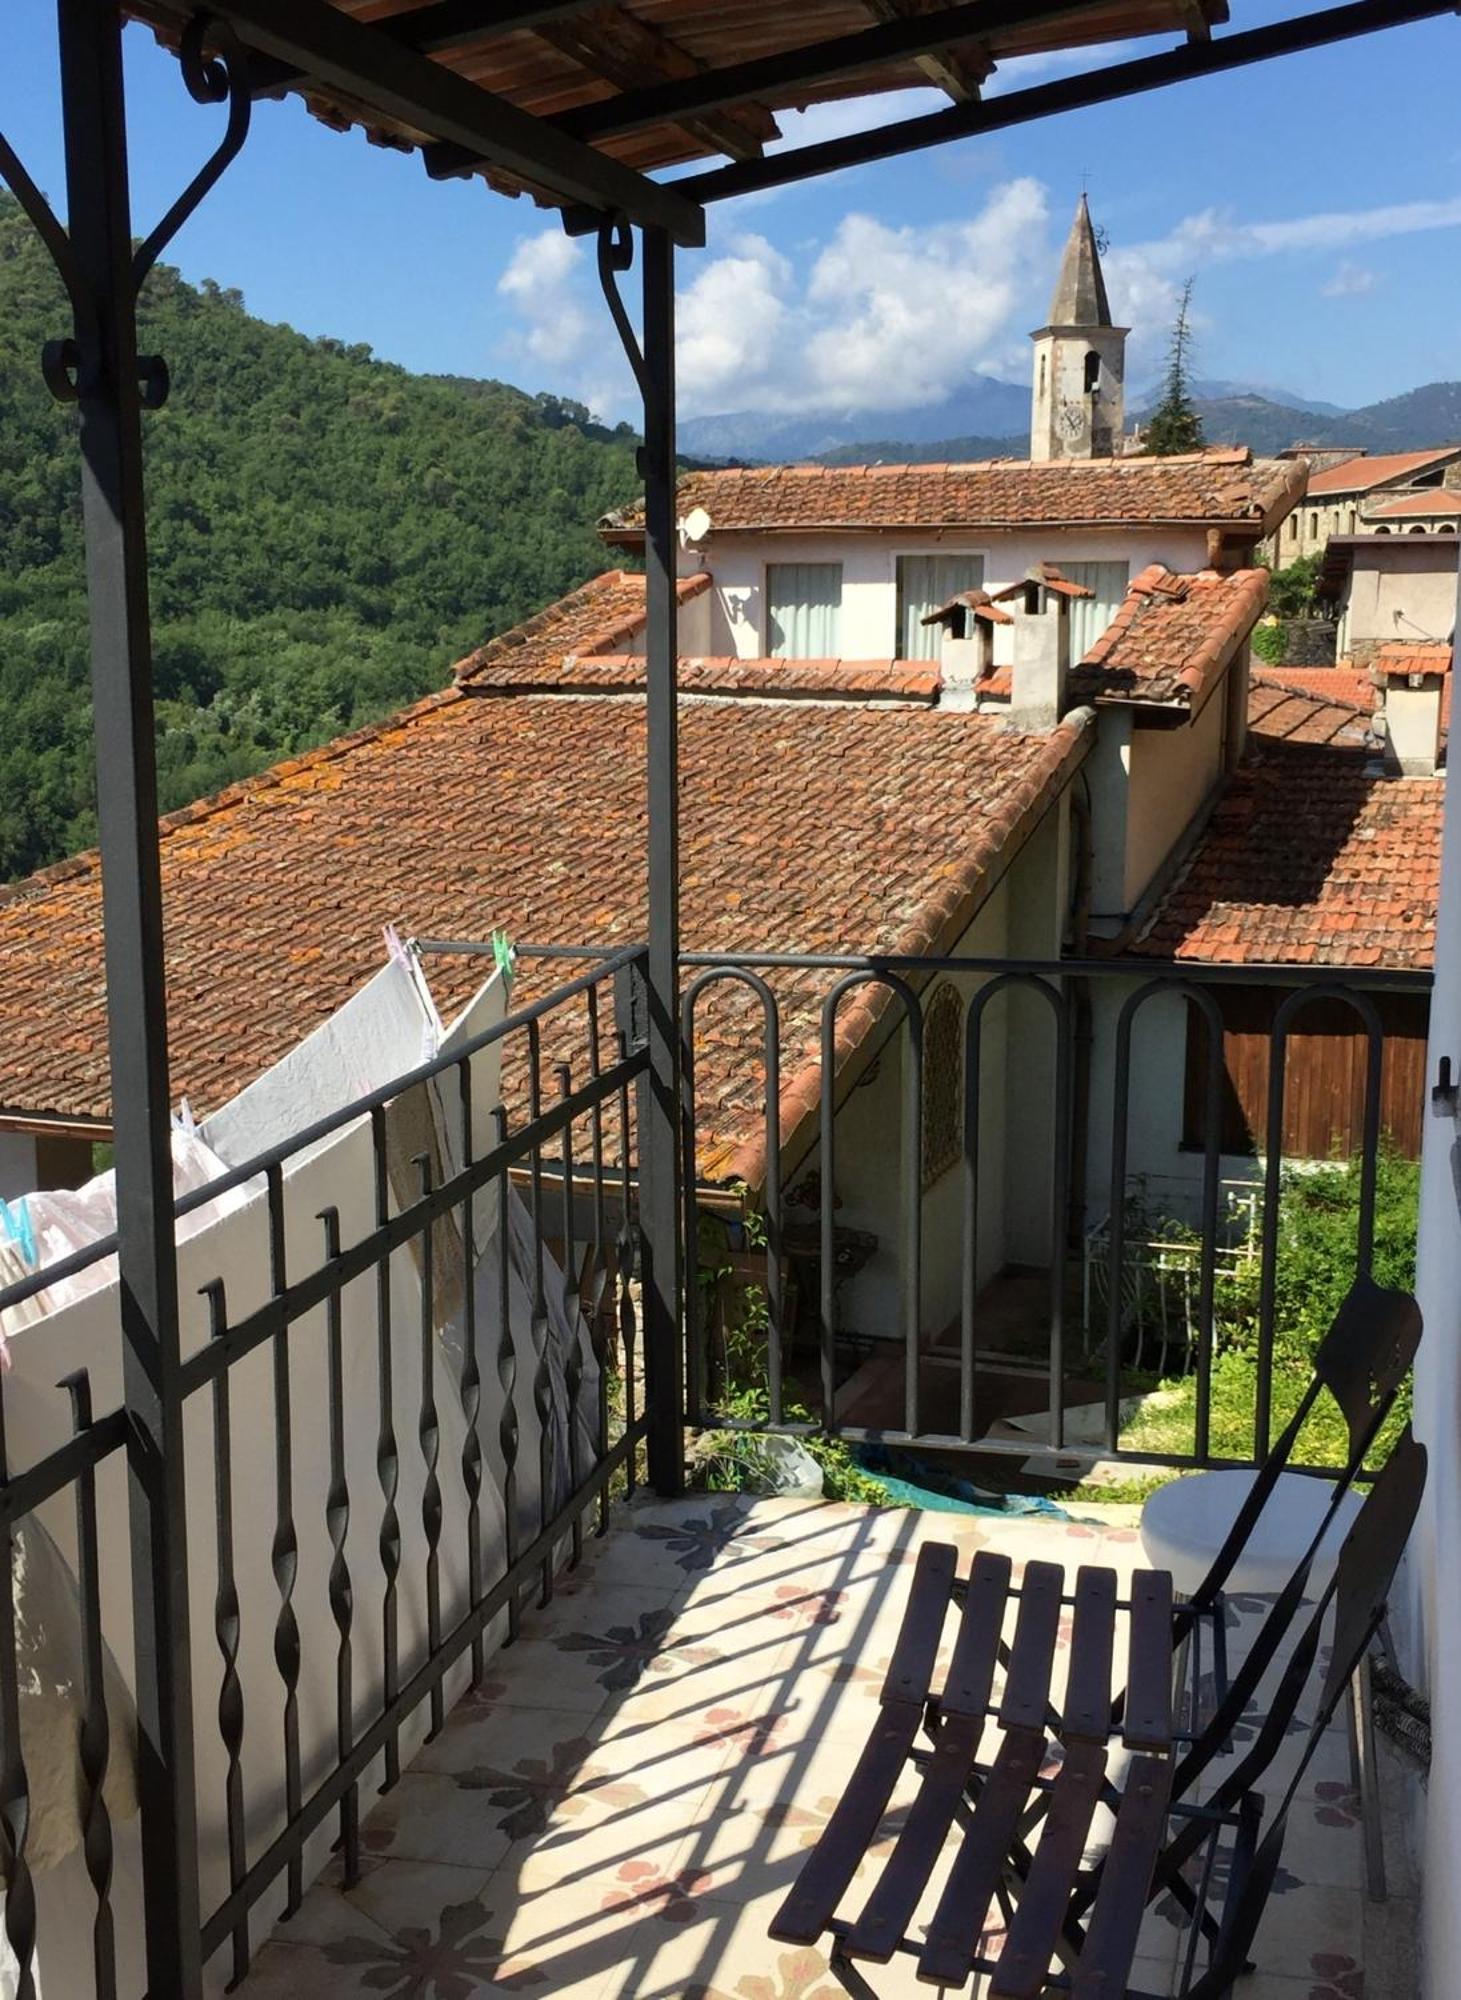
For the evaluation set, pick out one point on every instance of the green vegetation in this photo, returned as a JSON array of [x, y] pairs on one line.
[[328, 533], [1292, 591], [1271, 642], [1175, 426], [1318, 1212]]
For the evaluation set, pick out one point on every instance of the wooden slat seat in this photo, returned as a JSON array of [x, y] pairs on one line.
[[990, 1800], [1073, 1917]]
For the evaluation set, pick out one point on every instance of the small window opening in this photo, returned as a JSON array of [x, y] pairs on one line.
[[1093, 372]]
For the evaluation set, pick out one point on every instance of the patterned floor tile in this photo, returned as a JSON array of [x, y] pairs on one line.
[[619, 1809]]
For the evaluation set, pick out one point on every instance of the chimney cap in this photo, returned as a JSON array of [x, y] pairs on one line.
[[1048, 577], [977, 602]]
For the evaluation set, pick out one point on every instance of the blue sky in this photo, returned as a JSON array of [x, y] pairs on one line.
[[1316, 200]]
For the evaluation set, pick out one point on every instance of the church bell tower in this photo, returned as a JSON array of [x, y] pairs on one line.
[[1078, 407]]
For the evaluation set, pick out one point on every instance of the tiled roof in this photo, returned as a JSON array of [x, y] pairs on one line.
[[1310, 858], [724, 676], [1362, 475], [1209, 489], [602, 616], [1412, 656], [1429, 502], [1309, 705], [810, 825], [1172, 635]]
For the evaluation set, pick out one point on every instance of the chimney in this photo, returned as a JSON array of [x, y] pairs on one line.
[[1042, 646], [1412, 681], [966, 648]]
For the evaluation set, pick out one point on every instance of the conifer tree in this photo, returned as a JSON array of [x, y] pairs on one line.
[[1175, 425]]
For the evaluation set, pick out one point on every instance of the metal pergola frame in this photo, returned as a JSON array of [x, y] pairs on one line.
[[234, 52]]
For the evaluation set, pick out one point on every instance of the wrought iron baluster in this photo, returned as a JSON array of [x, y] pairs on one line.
[[699, 1403], [573, 1360], [284, 1554], [624, 1260], [428, 1432], [227, 1623], [508, 1428], [20, 1902], [542, 1375], [387, 1456], [95, 1731], [596, 1288], [471, 1376], [337, 1527]]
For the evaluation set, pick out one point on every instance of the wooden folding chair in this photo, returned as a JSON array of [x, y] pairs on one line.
[[1059, 1908]]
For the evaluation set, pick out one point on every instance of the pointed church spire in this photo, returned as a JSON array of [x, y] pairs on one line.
[[1080, 291], [1077, 405]]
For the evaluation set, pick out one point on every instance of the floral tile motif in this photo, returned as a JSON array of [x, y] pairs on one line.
[[799, 1606], [1337, 1803], [642, 1888], [445, 1961], [536, 1788], [752, 1736], [626, 1653], [1168, 1906], [1337, 1976], [698, 1541], [799, 1975], [1245, 1729]]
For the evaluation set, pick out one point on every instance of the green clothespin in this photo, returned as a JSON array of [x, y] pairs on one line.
[[505, 956]]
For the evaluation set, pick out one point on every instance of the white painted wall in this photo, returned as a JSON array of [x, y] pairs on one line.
[[1167, 1176], [868, 629], [1403, 588], [1022, 917], [1171, 775], [1435, 1651]]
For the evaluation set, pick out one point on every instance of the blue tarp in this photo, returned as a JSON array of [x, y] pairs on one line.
[[909, 1481]]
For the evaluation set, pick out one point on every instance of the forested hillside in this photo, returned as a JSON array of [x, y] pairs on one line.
[[328, 534]]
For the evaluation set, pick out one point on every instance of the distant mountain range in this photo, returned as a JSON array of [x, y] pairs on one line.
[[990, 419]]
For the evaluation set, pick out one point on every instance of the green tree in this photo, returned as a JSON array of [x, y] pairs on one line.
[[1175, 425], [327, 534]]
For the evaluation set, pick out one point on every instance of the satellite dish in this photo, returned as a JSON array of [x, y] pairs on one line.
[[696, 525]]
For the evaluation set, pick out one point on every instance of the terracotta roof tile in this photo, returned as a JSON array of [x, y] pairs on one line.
[[1402, 657], [1310, 858], [820, 680], [1428, 503], [1172, 635], [1362, 475], [1216, 488], [816, 825], [601, 616]]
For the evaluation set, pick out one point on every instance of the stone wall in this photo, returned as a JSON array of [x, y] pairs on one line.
[[1310, 642]]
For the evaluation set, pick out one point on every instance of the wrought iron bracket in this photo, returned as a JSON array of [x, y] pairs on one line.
[[215, 69], [616, 256]]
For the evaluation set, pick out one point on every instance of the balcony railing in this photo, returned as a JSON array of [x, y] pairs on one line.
[[381, 1469], [1080, 1087]]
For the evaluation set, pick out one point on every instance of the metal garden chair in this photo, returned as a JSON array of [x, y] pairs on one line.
[[1073, 1925], [1277, 1532]]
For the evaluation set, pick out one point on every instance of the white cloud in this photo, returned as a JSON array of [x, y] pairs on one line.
[[1351, 280], [541, 280], [1144, 279], [877, 316]]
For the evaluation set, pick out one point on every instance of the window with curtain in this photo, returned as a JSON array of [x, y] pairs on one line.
[[803, 610], [1089, 616], [924, 583]]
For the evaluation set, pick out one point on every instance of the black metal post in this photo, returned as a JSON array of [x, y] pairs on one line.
[[662, 1274], [121, 656]]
